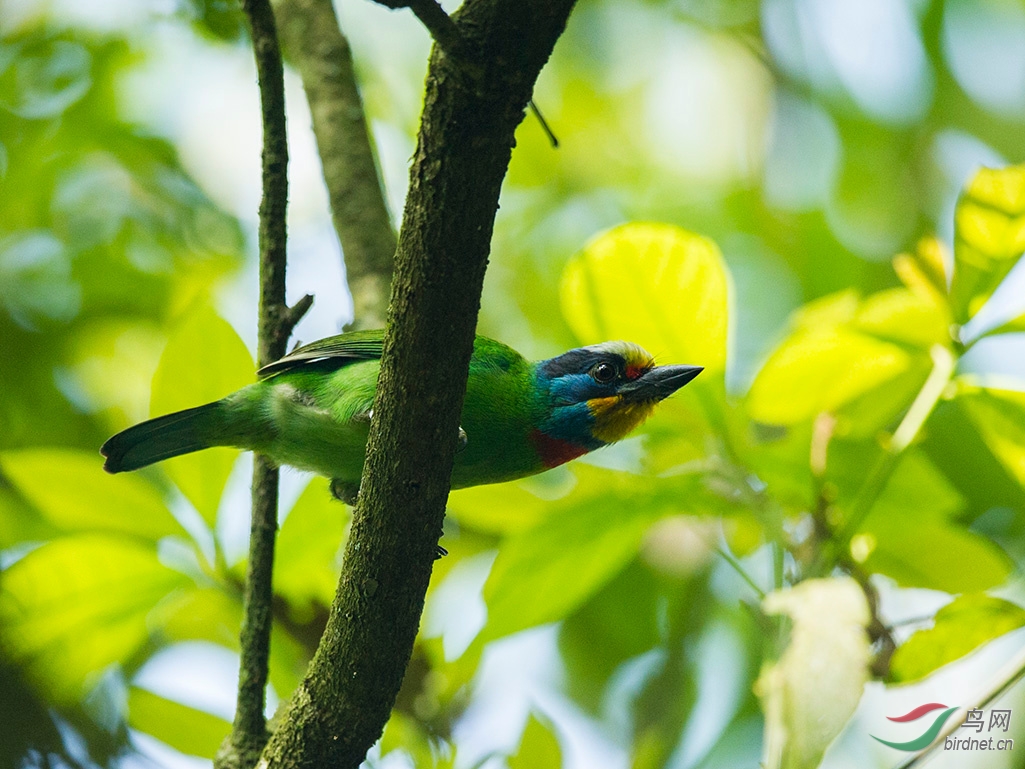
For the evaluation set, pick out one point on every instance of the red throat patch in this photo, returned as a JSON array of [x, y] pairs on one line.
[[553, 451]]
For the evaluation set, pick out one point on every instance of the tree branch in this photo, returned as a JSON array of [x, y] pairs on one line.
[[276, 321], [465, 142], [314, 41]]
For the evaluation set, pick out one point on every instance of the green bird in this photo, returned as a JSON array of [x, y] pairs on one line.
[[312, 410]]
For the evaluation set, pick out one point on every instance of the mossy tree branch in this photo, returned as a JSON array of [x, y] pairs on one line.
[[276, 321], [315, 43], [473, 103]]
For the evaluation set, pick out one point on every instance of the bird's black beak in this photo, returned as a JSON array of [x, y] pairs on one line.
[[659, 383]]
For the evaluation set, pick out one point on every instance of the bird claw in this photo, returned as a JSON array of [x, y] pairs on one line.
[[463, 440], [440, 553], [344, 491]]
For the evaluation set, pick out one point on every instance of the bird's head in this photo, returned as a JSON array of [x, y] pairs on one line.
[[596, 395]]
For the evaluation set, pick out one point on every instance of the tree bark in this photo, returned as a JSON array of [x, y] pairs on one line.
[[476, 96]]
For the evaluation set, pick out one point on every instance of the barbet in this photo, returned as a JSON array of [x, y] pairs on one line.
[[312, 410]]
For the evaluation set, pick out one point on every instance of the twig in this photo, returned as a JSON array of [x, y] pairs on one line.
[[315, 43], [276, 321]]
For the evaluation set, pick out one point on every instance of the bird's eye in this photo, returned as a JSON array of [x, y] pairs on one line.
[[603, 373]]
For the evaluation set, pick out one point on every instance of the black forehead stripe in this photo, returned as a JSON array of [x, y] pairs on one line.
[[579, 362]]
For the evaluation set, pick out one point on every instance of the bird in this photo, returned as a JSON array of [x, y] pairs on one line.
[[312, 410]]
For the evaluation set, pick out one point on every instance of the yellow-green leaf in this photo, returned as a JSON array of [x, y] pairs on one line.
[[821, 370], [924, 271], [960, 627], [912, 534], [815, 686], [76, 605], [989, 226], [538, 748], [545, 572], [1000, 417], [72, 491], [654, 284], [191, 731], [204, 360]]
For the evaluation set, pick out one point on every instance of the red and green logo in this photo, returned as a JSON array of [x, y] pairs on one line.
[[926, 737]]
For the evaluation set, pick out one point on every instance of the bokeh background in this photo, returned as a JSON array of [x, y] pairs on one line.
[[811, 140]]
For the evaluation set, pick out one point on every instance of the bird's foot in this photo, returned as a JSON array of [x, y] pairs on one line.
[[463, 440], [344, 491], [441, 553]]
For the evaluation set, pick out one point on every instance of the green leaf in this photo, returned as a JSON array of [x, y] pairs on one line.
[[200, 614], [507, 508], [546, 572], [654, 284], [821, 370], [191, 731], [960, 627], [815, 686], [308, 553], [1000, 417], [989, 226], [204, 360], [1012, 326], [71, 490], [863, 360], [539, 747], [913, 534], [924, 270], [76, 605]]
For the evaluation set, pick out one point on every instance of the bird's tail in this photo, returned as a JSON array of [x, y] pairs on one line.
[[161, 438]]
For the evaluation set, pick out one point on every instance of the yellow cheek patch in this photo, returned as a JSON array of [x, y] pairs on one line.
[[614, 419]]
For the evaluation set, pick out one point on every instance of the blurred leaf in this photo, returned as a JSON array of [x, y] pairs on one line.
[[822, 370], [864, 360], [1000, 418], [924, 270], [502, 508], [955, 445], [81, 603], [811, 691], [1013, 326], [539, 747], [204, 360], [935, 556], [901, 317], [989, 224], [71, 490], [307, 557], [190, 731], [625, 615], [200, 614], [959, 628], [544, 573], [654, 284], [913, 536]]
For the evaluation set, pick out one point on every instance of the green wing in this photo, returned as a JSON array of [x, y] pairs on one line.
[[339, 350]]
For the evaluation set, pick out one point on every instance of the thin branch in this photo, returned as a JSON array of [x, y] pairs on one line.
[[471, 111], [315, 43], [276, 321]]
